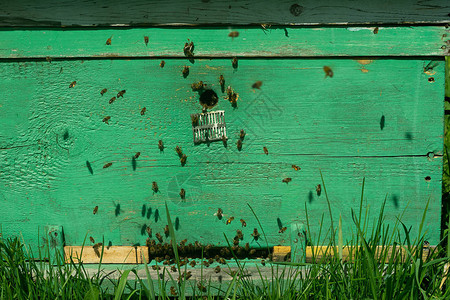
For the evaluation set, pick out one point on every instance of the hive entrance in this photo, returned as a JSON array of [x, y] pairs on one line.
[[209, 126]]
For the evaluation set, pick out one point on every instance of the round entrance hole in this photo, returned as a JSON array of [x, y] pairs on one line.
[[428, 179], [209, 99]]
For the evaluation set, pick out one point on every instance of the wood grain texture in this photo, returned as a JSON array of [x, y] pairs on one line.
[[111, 255], [50, 132], [143, 13], [215, 42]]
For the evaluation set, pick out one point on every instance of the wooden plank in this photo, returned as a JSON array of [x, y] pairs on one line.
[[138, 13], [111, 255], [215, 42], [51, 131]]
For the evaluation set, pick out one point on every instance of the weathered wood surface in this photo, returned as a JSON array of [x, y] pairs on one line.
[[215, 42], [109, 255], [50, 132], [53, 13]]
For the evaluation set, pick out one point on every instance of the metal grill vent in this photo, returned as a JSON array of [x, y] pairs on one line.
[[209, 126]]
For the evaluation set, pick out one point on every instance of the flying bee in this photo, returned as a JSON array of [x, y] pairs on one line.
[[92, 240], [72, 84], [149, 231], [287, 180], [159, 237], [103, 91], [136, 156], [182, 194], [166, 230], [112, 100], [255, 234], [219, 213], [185, 71], [296, 168], [162, 63], [234, 62], [222, 83], [318, 189], [183, 159], [217, 269], [375, 31], [282, 230], [95, 210], [146, 40], [239, 145], [108, 41], [143, 110], [197, 86], [194, 119], [178, 150], [328, 71], [229, 220], [242, 134], [106, 119], [233, 34], [120, 94], [266, 152], [160, 145], [96, 247], [244, 224], [155, 187], [257, 84], [107, 165]]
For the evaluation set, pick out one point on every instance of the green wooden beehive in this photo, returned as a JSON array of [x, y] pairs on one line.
[[350, 102]]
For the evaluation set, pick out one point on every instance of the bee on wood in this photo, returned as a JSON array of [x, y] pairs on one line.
[[233, 34], [159, 237], [166, 230], [217, 269], [296, 168], [233, 99], [178, 150], [239, 234], [95, 210], [229, 220], [247, 247], [155, 187], [201, 287], [266, 152], [287, 180], [263, 262], [107, 165], [146, 40], [189, 49], [112, 100], [173, 291], [242, 134], [194, 119], [239, 145], [173, 269], [244, 224], [222, 83], [185, 71], [106, 119], [236, 242], [252, 252], [143, 110], [183, 159], [375, 31], [282, 230], [160, 145], [48, 59], [182, 194], [92, 240], [96, 247], [224, 140], [328, 71], [205, 263], [103, 91], [222, 261], [120, 94], [197, 86], [136, 156], [192, 263], [257, 84], [210, 260], [108, 41], [183, 242], [156, 268], [219, 213], [149, 231], [162, 63], [234, 62], [72, 84], [255, 234], [318, 189]]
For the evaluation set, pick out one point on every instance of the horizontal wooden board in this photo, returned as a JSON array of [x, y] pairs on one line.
[[137, 12], [108, 255], [215, 42], [51, 131]]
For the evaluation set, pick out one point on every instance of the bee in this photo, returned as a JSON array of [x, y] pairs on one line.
[[108, 41], [217, 269], [287, 180], [173, 291], [183, 242], [197, 86], [120, 94], [255, 234], [244, 224], [92, 240], [183, 159], [222, 261], [149, 231], [182, 194], [257, 85], [48, 59], [263, 262], [178, 150], [201, 287], [155, 187], [252, 252], [166, 230], [242, 134], [72, 84], [328, 71], [162, 63], [318, 189], [205, 263], [282, 230], [375, 31], [103, 91], [211, 260], [247, 247], [194, 119], [143, 110], [136, 156], [185, 71], [106, 119], [192, 263], [266, 152], [173, 269], [107, 165], [112, 100], [233, 99], [159, 237], [219, 213], [156, 268], [229, 220], [96, 247], [189, 49], [95, 210], [146, 40], [239, 234], [296, 168], [234, 62], [222, 83], [239, 145], [160, 145], [233, 34], [236, 241]]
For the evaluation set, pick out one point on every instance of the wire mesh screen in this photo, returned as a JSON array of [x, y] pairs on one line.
[[209, 126]]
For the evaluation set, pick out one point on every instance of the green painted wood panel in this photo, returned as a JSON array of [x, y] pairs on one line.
[[215, 42], [49, 131], [28, 13]]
